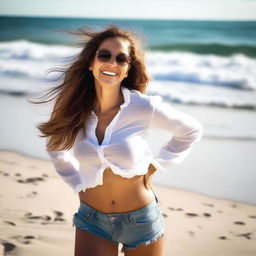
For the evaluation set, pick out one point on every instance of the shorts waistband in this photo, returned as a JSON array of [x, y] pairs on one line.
[[89, 209]]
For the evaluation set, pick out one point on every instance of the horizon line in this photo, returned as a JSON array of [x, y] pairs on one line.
[[125, 18]]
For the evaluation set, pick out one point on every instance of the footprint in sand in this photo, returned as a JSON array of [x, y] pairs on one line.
[[33, 218], [223, 238], [164, 215], [58, 213], [9, 223], [32, 180], [246, 235], [239, 223], [175, 209], [4, 173], [23, 239], [59, 217], [191, 214], [8, 247]]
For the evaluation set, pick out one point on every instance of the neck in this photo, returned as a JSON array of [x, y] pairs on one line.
[[108, 99]]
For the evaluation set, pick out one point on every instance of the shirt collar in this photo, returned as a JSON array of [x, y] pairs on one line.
[[127, 97]]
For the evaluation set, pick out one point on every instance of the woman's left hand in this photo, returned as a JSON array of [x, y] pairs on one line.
[[148, 176]]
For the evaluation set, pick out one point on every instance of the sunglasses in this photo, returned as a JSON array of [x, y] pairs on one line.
[[105, 55]]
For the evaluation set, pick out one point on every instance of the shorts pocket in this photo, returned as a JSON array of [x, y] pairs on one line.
[[80, 218], [145, 217], [83, 215]]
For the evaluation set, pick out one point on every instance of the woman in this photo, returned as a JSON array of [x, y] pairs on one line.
[[96, 140]]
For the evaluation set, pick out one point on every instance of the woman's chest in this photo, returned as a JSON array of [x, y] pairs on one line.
[[103, 122], [124, 138]]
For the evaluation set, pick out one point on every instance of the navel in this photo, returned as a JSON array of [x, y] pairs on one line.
[[113, 202]]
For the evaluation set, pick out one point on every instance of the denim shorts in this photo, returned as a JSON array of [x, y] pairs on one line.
[[131, 229]]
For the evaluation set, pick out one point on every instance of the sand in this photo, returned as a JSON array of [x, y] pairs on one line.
[[34, 221]]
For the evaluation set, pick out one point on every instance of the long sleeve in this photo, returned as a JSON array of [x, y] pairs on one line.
[[185, 131], [66, 167]]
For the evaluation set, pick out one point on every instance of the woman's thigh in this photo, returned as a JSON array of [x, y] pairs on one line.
[[87, 244], [153, 249]]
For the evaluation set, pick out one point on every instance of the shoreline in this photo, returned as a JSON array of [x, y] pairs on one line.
[[156, 179], [195, 224], [159, 177]]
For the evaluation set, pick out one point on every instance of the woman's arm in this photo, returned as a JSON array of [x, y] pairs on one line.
[[185, 131], [66, 166]]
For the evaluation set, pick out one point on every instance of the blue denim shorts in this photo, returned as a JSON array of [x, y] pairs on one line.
[[131, 229]]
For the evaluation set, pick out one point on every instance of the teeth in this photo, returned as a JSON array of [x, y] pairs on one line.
[[109, 73]]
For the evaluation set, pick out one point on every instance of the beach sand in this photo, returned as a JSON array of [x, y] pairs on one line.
[[34, 221]]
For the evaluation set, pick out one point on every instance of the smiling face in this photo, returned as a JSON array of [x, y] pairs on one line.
[[110, 73]]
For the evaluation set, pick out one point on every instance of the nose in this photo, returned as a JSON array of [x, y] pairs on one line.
[[112, 60]]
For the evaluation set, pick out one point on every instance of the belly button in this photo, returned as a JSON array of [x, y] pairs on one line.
[[113, 202]]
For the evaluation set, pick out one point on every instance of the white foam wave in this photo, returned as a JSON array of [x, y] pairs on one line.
[[188, 93], [23, 59], [237, 71], [181, 77], [25, 50]]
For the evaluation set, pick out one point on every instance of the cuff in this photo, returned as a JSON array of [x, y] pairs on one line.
[[166, 159], [158, 165]]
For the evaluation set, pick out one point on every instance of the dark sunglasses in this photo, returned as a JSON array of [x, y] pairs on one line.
[[105, 55]]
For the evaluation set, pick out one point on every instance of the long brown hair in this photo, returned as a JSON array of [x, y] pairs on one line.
[[75, 97]]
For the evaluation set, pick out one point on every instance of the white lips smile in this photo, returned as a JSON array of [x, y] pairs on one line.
[[109, 73]]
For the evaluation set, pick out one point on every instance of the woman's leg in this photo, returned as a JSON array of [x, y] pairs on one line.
[[87, 244], [153, 249]]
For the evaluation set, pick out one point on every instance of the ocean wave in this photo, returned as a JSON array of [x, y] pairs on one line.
[[186, 78], [32, 60], [194, 94], [236, 71], [25, 50], [208, 48]]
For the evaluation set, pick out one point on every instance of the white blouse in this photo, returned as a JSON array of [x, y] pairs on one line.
[[124, 148]]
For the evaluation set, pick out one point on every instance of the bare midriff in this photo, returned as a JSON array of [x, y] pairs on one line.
[[118, 194]]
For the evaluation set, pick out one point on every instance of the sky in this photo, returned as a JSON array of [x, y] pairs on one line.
[[145, 9]]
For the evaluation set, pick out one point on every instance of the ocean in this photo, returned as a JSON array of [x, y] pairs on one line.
[[197, 61], [206, 67]]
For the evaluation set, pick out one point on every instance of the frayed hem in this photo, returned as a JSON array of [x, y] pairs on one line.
[[143, 243]]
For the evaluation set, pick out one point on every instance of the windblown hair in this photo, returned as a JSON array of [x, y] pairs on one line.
[[75, 96]]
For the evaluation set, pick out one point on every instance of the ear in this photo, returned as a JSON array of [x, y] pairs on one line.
[[90, 68]]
